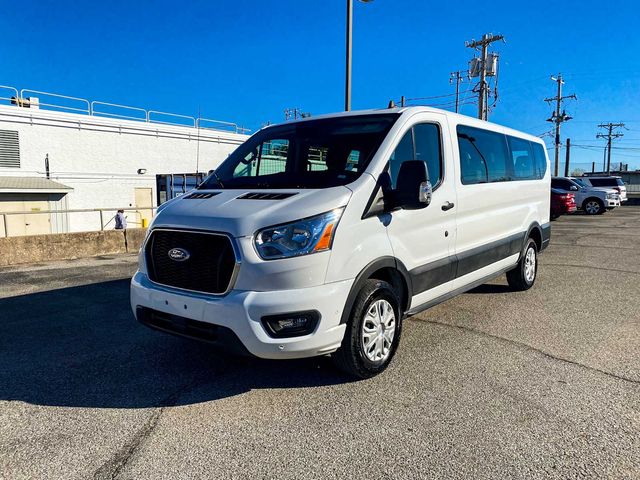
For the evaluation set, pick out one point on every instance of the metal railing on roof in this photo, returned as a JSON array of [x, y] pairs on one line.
[[54, 101]]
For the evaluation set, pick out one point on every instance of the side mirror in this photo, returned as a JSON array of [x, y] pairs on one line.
[[413, 189], [573, 188]]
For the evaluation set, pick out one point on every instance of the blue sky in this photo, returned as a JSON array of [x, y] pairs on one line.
[[246, 61]]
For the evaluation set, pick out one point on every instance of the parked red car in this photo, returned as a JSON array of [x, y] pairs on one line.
[[561, 203]]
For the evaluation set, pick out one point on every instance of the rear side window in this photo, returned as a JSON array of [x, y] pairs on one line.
[[541, 159], [606, 182], [483, 156], [524, 163], [561, 184], [487, 156]]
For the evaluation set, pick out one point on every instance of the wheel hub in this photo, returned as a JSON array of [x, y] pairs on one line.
[[378, 330]]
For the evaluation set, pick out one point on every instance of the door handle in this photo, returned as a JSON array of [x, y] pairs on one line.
[[447, 206]]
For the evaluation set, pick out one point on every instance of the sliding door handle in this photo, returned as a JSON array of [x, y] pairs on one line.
[[447, 206]]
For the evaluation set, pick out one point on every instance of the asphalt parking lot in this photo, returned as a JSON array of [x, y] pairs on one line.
[[491, 384]]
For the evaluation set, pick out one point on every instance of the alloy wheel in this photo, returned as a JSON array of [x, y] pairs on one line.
[[378, 330]]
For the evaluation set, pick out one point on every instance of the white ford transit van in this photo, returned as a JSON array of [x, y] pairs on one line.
[[319, 236]]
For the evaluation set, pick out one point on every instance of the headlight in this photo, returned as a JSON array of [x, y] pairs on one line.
[[309, 235]]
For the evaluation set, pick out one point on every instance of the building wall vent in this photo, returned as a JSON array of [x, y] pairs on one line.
[[9, 149]]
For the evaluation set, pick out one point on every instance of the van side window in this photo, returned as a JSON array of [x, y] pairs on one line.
[[421, 142], [524, 164], [427, 143], [483, 156], [541, 159]]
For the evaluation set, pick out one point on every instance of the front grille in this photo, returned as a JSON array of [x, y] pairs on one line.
[[205, 261]]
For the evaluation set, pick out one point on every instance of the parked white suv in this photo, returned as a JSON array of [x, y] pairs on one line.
[[593, 201], [607, 184], [319, 236]]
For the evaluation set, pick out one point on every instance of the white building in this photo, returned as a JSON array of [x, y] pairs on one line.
[[99, 156]]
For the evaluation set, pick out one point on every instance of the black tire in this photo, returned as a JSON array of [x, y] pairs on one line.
[[351, 357], [518, 278], [593, 206]]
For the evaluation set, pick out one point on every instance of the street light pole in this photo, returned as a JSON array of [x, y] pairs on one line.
[[347, 87]]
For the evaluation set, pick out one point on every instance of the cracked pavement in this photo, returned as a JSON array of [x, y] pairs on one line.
[[538, 384]]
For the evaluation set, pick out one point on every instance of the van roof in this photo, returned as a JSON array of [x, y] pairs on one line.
[[458, 118]]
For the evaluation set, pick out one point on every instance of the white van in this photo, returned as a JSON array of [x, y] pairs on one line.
[[319, 236]]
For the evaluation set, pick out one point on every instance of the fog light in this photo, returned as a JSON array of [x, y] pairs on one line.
[[291, 324]]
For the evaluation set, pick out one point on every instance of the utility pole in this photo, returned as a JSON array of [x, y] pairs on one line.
[[557, 117], [566, 159], [610, 135], [458, 78], [481, 67]]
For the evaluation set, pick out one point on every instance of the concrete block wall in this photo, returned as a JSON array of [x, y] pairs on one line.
[[66, 246]]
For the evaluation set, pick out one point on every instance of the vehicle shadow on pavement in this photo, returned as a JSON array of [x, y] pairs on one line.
[[82, 347]]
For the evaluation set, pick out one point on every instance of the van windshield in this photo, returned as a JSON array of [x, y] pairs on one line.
[[311, 154]]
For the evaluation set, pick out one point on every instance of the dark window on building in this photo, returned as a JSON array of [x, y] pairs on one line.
[[174, 185], [421, 142]]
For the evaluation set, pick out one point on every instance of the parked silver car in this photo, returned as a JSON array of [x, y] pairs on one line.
[[608, 183], [593, 201]]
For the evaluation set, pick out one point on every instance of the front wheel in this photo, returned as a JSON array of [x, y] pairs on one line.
[[373, 331], [593, 206], [524, 275]]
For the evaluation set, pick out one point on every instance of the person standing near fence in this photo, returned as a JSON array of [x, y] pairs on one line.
[[121, 221]]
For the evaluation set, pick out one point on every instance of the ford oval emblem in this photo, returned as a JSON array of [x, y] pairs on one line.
[[179, 254]]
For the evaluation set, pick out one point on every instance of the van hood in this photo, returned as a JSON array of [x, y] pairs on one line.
[[241, 212]]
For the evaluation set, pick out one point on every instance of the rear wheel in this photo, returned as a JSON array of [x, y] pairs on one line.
[[373, 331], [524, 275], [593, 206]]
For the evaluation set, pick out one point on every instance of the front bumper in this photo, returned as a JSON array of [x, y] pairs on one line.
[[241, 312], [612, 202]]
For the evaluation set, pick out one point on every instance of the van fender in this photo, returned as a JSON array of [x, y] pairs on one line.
[[540, 233], [373, 266]]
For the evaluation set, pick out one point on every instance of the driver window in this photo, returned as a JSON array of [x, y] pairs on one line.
[[421, 142], [402, 153]]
